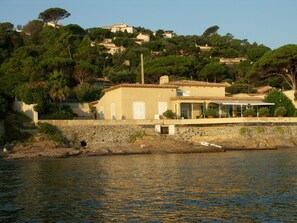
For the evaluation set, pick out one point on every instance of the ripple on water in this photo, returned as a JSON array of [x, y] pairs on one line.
[[230, 187]]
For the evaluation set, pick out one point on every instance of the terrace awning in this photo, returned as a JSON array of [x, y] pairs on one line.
[[246, 103]]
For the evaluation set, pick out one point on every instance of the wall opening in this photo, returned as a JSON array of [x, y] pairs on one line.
[[83, 143]]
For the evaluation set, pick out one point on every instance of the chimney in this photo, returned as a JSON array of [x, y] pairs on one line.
[[164, 79]]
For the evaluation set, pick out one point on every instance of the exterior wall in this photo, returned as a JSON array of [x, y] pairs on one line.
[[123, 98], [290, 94], [81, 109], [26, 109], [144, 37], [150, 96], [104, 105], [204, 91]]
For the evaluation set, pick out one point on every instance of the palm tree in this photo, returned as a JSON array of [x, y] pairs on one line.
[[58, 88]]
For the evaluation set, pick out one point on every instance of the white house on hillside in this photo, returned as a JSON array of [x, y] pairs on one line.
[[121, 27]]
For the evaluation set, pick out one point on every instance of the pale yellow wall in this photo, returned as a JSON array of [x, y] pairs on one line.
[[204, 91], [110, 97], [124, 97], [290, 94], [26, 109], [150, 96]]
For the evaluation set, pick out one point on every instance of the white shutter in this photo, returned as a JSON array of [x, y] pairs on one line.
[[138, 110], [162, 107], [113, 111]]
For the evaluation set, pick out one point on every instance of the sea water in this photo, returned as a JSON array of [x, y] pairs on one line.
[[246, 186]]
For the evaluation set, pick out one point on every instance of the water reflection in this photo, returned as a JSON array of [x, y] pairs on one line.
[[234, 186]]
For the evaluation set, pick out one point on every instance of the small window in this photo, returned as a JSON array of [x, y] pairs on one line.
[[165, 130]]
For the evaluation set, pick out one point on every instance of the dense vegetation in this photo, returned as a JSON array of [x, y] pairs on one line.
[[43, 64]]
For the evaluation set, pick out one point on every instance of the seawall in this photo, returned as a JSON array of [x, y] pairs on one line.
[[231, 136]]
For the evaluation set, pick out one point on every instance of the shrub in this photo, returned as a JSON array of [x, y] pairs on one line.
[[249, 112], [212, 112], [169, 114], [263, 112], [280, 100], [280, 111], [59, 115], [51, 133], [244, 131]]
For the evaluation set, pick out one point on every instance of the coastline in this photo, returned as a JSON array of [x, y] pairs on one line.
[[147, 145]]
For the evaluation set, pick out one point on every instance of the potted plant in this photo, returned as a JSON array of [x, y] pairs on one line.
[[250, 112], [93, 111], [280, 112], [212, 113], [169, 114], [263, 112]]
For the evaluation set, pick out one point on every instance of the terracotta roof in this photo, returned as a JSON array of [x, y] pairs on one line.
[[197, 83], [140, 86], [201, 98]]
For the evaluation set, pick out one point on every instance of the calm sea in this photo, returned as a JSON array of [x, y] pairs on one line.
[[248, 186]]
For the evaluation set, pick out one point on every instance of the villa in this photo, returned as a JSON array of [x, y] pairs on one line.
[[188, 99], [121, 27]]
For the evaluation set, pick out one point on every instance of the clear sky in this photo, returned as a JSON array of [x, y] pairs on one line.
[[268, 22]]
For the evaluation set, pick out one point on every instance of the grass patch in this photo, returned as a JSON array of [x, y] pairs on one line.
[[135, 136], [279, 130], [244, 132], [260, 129]]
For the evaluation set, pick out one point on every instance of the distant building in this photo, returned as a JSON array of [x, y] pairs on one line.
[[54, 25], [142, 38], [168, 35], [231, 61], [121, 27], [111, 47], [204, 48]]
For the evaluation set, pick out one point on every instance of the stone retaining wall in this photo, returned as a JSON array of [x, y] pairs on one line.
[[191, 134], [108, 134], [100, 135]]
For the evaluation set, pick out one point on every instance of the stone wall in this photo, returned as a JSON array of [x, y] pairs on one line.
[[236, 135], [100, 135], [191, 134]]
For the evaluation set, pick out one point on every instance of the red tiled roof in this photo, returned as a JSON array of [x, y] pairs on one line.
[[140, 86], [197, 83]]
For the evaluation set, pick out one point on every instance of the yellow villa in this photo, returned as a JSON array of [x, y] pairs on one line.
[[188, 99]]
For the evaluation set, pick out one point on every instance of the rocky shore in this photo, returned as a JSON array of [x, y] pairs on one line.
[[149, 145]]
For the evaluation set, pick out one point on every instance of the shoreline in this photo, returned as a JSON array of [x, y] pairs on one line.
[[48, 149]]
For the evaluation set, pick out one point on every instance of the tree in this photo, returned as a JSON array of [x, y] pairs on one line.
[[280, 100], [53, 15], [32, 28], [255, 53], [212, 71], [211, 31], [84, 72], [6, 26], [281, 62], [58, 88]]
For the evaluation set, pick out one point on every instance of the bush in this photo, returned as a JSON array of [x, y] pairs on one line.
[[263, 112], [280, 100], [169, 114], [280, 111], [59, 115], [249, 112], [212, 112], [51, 133]]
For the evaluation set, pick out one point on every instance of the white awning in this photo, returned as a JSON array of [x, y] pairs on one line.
[[247, 103]]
